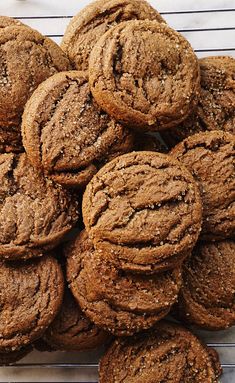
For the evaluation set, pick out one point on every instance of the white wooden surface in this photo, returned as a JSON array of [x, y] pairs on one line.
[[210, 27]]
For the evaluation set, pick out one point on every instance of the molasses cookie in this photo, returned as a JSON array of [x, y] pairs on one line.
[[143, 211], [145, 75], [169, 353], [66, 133], [27, 58], [216, 107], [118, 301], [35, 214], [210, 157], [85, 29], [72, 330], [31, 295], [207, 295]]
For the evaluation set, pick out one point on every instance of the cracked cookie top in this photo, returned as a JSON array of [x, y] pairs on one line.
[[216, 107], [35, 213], [27, 58], [169, 353], [85, 29], [210, 157], [207, 295], [121, 302], [31, 295], [143, 209], [66, 133], [145, 74]]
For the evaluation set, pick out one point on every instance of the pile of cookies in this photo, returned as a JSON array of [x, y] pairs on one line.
[[103, 234]]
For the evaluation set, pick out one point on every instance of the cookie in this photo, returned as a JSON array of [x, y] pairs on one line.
[[35, 214], [9, 358], [143, 211], [6, 21], [85, 29], [169, 353], [31, 295], [216, 107], [207, 295], [27, 58], [64, 131], [151, 85], [210, 157], [72, 330], [120, 302]]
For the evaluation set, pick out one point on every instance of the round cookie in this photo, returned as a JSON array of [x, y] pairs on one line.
[[210, 157], [72, 330], [143, 210], [65, 132], [145, 75], [35, 214], [31, 295], [27, 59], [85, 29], [122, 303], [169, 353], [207, 296], [216, 107]]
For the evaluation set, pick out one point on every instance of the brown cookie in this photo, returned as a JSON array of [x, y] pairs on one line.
[[120, 302], [31, 295], [85, 29], [169, 353], [27, 58], [210, 157], [216, 107], [6, 21], [207, 296], [72, 330], [143, 210], [144, 74], [65, 132], [9, 358], [35, 214]]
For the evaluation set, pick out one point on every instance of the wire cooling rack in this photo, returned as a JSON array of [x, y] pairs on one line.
[[210, 27]]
